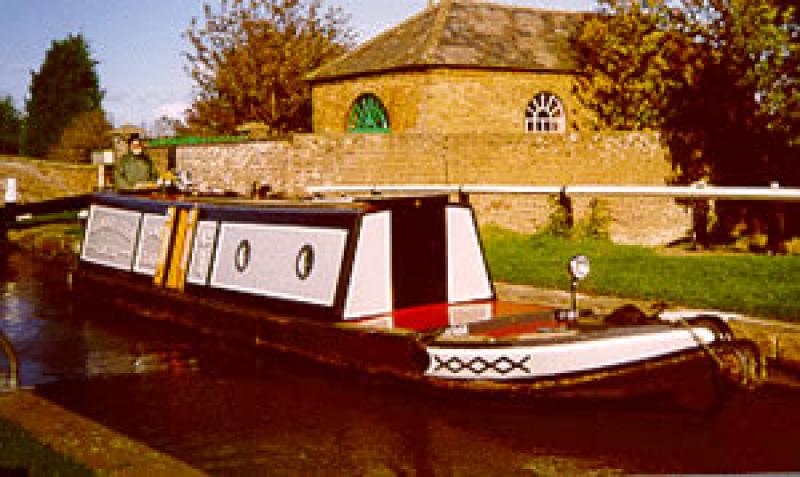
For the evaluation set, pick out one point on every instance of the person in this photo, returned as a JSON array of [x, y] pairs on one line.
[[135, 167]]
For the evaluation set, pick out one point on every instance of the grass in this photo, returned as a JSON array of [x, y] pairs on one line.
[[753, 284], [21, 454], [42, 219]]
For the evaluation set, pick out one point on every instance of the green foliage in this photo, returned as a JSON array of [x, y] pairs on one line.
[[88, 131], [740, 283], [10, 126], [559, 221], [249, 58], [720, 78], [597, 222], [65, 85], [21, 451]]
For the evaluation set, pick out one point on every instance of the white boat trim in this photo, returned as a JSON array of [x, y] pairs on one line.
[[537, 361]]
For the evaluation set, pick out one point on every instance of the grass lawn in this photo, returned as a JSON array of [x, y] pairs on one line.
[[753, 284], [21, 454]]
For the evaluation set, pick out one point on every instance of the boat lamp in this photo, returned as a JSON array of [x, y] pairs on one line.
[[578, 268]]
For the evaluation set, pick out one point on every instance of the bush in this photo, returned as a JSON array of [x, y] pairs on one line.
[[560, 220], [561, 223], [86, 132], [597, 223]]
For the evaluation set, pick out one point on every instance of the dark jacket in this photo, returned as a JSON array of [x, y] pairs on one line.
[[132, 169]]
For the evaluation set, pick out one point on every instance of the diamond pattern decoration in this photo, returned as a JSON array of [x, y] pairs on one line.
[[478, 365]]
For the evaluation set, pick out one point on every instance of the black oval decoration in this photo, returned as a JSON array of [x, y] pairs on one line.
[[242, 257], [305, 261]]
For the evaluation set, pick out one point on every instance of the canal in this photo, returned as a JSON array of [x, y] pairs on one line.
[[234, 411]]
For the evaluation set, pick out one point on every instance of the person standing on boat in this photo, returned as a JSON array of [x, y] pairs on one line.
[[135, 167]]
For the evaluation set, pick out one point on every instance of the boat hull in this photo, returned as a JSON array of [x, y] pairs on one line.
[[397, 355]]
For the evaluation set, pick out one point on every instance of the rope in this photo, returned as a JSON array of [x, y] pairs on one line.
[[709, 351]]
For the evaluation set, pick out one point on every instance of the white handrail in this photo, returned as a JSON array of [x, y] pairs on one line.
[[698, 191]]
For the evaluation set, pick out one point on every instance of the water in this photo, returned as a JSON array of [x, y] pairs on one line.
[[233, 411]]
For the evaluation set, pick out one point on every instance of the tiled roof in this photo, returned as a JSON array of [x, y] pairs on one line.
[[466, 33]]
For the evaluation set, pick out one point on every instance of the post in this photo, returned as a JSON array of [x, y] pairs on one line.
[[700, 210], [101, 176], [6, 213], [11, 191]]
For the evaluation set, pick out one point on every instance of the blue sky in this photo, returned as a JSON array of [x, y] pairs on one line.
[[138, 44]]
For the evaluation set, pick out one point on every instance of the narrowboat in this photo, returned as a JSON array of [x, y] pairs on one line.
[[394, 286]]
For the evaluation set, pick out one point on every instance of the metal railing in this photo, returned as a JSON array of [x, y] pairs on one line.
[[12, 380], [696, 191]]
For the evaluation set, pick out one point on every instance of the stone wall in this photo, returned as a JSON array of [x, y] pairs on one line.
[[448, 101], [41, 180], [503, 159]]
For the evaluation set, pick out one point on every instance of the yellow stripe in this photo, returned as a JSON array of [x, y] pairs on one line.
[[182, 268], [163, 249], [177, 249]]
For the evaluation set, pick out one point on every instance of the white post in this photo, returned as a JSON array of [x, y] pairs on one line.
[[101, 176], [11, 191]]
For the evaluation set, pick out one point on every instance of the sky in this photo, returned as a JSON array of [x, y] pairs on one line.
[[138, 44]]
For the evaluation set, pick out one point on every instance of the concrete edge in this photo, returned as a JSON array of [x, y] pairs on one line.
[[89, 443]]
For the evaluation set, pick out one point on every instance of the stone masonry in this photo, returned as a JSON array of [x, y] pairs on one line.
[[449, 101], [502, 159]]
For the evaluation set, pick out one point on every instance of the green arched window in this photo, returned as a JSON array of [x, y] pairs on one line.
[[368, 115]]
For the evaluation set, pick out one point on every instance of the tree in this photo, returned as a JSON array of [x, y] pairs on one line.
[[65, 85], [10, 126], [250, 56], [86, 132], [720, 78]]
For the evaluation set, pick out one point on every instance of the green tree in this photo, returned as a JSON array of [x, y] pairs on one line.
[[10, 126], [720, 78], [86, 132], [65, 85], [249, 58]]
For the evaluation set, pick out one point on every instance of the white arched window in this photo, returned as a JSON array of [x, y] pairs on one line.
[[545, 113]]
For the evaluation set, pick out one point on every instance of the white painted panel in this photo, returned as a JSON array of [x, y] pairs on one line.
[[264, 260], [111, 237], [467, 276], [149, 244], [525, 362], [202, 252], [370, 288]]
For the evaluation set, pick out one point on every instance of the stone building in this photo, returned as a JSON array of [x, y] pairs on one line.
[[459, 66], [466, 92]]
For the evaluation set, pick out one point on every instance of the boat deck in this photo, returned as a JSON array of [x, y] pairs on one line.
[[441, 316]]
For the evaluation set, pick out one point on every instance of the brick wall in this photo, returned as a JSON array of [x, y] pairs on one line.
[[574, 158], [448, 101], [41, 180]]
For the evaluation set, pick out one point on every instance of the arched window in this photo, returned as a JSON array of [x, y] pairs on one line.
[[368, 115], [545, 113]]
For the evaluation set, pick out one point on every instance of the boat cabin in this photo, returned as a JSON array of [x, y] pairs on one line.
[[339, 260]]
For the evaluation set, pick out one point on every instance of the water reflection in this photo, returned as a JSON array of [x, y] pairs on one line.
[[235, 411]]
